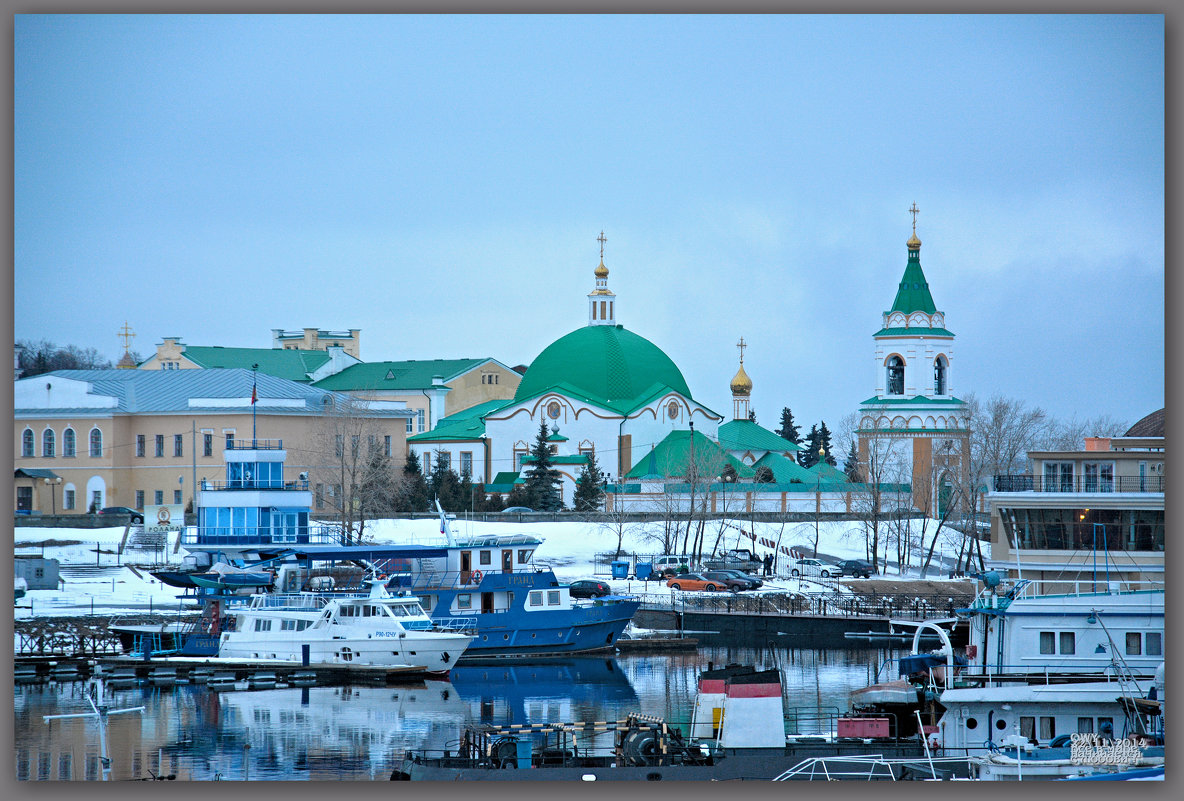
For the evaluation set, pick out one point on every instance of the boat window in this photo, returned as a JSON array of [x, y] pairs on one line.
[[972, 723], [1001, 724], [1047, 642], [288, 625], [464, 601], [1068, 643], [1133, 643], [1048, 727], [1085, 725], [426, 602], [524, 555], [1028, 728], [485, 558], [536, 598], [1154, 644], [552, 597]]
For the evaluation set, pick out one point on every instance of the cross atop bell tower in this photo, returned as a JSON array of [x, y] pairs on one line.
[[601, 302]]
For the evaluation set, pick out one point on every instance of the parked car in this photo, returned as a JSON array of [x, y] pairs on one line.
[[588, 588], [859, 568], [811, 567], [516, 510], [752, 580], [694, 581], [740, 559], [137, 517], [670, 565], [734, 580]]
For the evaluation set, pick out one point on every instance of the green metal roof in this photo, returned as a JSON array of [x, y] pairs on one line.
[[916, 399], [745, 435], [608, 364], [913, 293], [507, 478], [913, 332], [294, 365], [828, 472], [671, 456], [785, 470], [397, 376], [576, 458], [464, 425]]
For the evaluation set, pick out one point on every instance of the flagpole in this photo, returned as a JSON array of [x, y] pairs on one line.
[[254, 398]]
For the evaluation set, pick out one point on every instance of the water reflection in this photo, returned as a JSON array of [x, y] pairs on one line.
[[356, 732]]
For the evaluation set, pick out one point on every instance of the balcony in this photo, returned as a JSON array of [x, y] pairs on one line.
[[1027, 482], [254, 484], [254, 444]]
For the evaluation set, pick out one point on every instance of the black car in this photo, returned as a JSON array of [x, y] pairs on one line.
[[857, 567], [588, 588], [734, 580], [137, 517]]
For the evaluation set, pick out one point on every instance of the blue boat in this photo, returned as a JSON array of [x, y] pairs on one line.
[[490, 584]]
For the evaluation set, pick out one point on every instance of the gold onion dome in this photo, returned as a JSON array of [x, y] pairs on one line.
[[602, 271], [741, 384], [913, 242]]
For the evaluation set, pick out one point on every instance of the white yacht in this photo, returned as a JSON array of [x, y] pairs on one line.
[[374, 629]]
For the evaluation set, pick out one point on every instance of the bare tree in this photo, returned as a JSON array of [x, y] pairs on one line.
[[1069, 435], [351, 462], [882, 464]]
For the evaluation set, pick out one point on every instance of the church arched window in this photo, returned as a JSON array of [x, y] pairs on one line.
[[48, 443], [27, 442], [68, 442], [940, 370], [96, 443], [895, 375]]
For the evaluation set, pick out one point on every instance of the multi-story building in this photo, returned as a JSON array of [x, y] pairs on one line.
[[1089, 515], [136, 437]]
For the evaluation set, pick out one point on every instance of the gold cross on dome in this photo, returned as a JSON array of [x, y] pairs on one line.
[[126, 334], [914, 211], [601, 240], [741, 346]]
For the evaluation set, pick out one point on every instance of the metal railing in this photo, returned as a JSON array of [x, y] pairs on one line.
[[810, 604], [254, 444], [254, 483], [1028, 482]]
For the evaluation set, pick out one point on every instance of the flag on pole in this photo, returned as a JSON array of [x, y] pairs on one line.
[[254, 395]]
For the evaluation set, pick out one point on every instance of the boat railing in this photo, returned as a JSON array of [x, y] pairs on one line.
[[812, 721], [457, 624], [1038, 588], [459, 579], [968, 675], [295, 600]]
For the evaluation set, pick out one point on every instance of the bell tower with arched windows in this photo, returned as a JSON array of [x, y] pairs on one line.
[[913, 429]]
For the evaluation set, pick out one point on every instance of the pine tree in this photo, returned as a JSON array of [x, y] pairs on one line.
[[445, 485], [824, 443], [589, 496], [764, 475], [543, 480], [413, 494], [788, 430], [851, 465], [808, 457]]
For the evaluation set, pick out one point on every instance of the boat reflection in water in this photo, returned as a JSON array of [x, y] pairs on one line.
[[556, 689]]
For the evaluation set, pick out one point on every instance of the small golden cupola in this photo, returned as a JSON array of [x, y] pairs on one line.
[[741, 387], [602, 303]]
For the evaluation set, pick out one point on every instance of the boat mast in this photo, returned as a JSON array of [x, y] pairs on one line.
[[445, 528]]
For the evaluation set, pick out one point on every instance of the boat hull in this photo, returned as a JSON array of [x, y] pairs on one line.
[[432, 651]]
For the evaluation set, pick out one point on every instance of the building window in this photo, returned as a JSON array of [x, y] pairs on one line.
[[68, 499], [420, 420], [158, 497], [68, 443], [410, 425], [207, 444], [178, 445], [427, 464], [339, 445], [27, 443], [139, 444], [320, 496], [139, 499], [386, 445], [939, 375], [444, 460], [47, 443], [229, 440], [159, 445], [519, 455], [96, 443], [1058, 476], [1068, 643], [1048, 642], [1098, 476], [24, 499], [466, 463], [895, 376], [96, 500], [177, 496]]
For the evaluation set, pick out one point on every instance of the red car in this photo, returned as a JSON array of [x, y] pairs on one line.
[[694, 581]]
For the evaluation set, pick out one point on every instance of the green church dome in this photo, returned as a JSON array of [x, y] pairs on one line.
[[605, 362]]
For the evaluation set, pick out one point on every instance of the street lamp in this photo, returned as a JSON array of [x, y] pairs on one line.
[[53, 483], [818, 496]]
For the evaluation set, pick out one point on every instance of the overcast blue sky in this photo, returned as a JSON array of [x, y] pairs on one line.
[[439, 183]]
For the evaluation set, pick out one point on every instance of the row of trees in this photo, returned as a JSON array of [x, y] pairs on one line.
[[38, 357], [816, 442]]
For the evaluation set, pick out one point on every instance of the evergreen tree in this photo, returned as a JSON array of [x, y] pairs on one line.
[[589, 496], [851, 464], [445, 485], [809, 456], [764, 475], [543, 480], [413, 495], [788, 430], [824, 442]]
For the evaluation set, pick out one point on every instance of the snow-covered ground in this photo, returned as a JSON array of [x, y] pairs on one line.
[[96, 576]]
